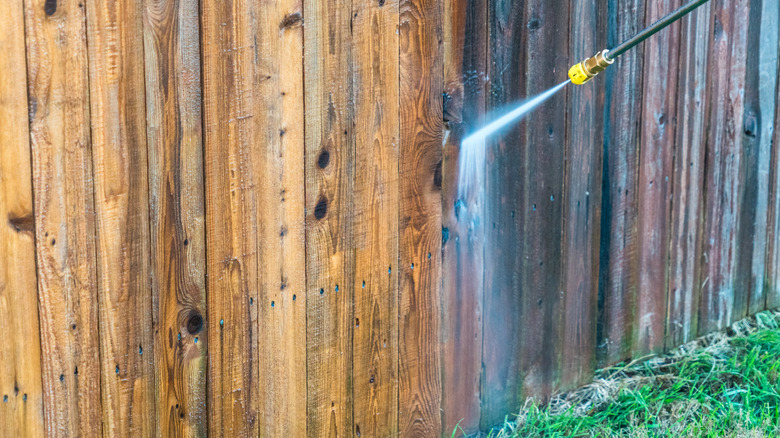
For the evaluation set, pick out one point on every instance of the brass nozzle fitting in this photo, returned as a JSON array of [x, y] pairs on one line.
[[589, 68]]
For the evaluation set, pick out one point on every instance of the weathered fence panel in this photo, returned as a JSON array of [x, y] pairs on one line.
[[243, 218]]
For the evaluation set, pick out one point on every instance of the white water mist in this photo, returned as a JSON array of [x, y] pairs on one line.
[[472, 149]]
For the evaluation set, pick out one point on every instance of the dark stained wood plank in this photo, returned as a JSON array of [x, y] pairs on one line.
[[720, 304], [176, 213], [330, 257], [64, 216], [118, 119], [619, 270], [773, 217], [506, 67], [465, 44], [421, 88], [279, 129], [375, 215], [687, 181], [232, 158], [20, 368], [654, 189], [538, 256], [582, 202]]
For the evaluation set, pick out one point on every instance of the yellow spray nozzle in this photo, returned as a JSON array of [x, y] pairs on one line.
[[589, 68]]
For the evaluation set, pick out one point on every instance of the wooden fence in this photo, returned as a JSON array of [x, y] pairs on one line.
[[236, 218]]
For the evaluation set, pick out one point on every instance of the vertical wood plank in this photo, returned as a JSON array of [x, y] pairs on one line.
[[464, 55], [118, 119], [538, 258], [619, 271], [582, 201], [279, 129], [375, 209], [719, 304], [21, 413], [506, 67], [773, 219], [65, 219], [176, 213], [329, 244], [420, 218], [232, 159], [687, 180], [654, 190], [768, 84]]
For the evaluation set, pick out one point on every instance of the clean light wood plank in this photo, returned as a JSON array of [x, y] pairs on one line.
[[330, 257], [582, 202], [21, 413], [419, 232], [279, 138], [176, 214], [687, 181], [506, 66], [232, 160], [720, 305], [64, 216], [654, 189], [464, 55], [619, 270], [118, 119], [538, 255], [375, 215]]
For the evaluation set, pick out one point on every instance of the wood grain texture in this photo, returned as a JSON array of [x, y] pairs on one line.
[[582, 199], [232, 158], [118, 119], [720, 305], [176, 213], [687, 181], [773, 219], [619, 270], [21, 413], [654, 189], [279, 141], [464, 56], [375, 214], [64, 216], [541, 173], [420, 215], [503, 200], [330, 257]]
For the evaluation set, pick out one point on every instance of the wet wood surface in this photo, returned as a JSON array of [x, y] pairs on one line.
[[244, 218]]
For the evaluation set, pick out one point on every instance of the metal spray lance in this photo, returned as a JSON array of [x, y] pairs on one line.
[[589, 68]]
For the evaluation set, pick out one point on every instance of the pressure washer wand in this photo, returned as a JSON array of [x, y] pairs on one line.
[[589, 68]]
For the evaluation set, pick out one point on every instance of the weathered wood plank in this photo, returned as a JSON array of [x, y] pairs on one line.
[[464, 56], [118, 119], [720, 305], [64, 216], [176, 213], [773, 219], [506, 68], [654, 189], [687, 180], [538, 254], [329, 244], [619, 270], [420, 241], [582, 201], [375, 215], [232, 158], [20, 368], [279, 129]]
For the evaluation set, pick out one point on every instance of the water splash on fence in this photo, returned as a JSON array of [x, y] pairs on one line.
[[472, 150]]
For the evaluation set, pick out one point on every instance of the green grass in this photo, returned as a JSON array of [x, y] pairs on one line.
[[720, 385]]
